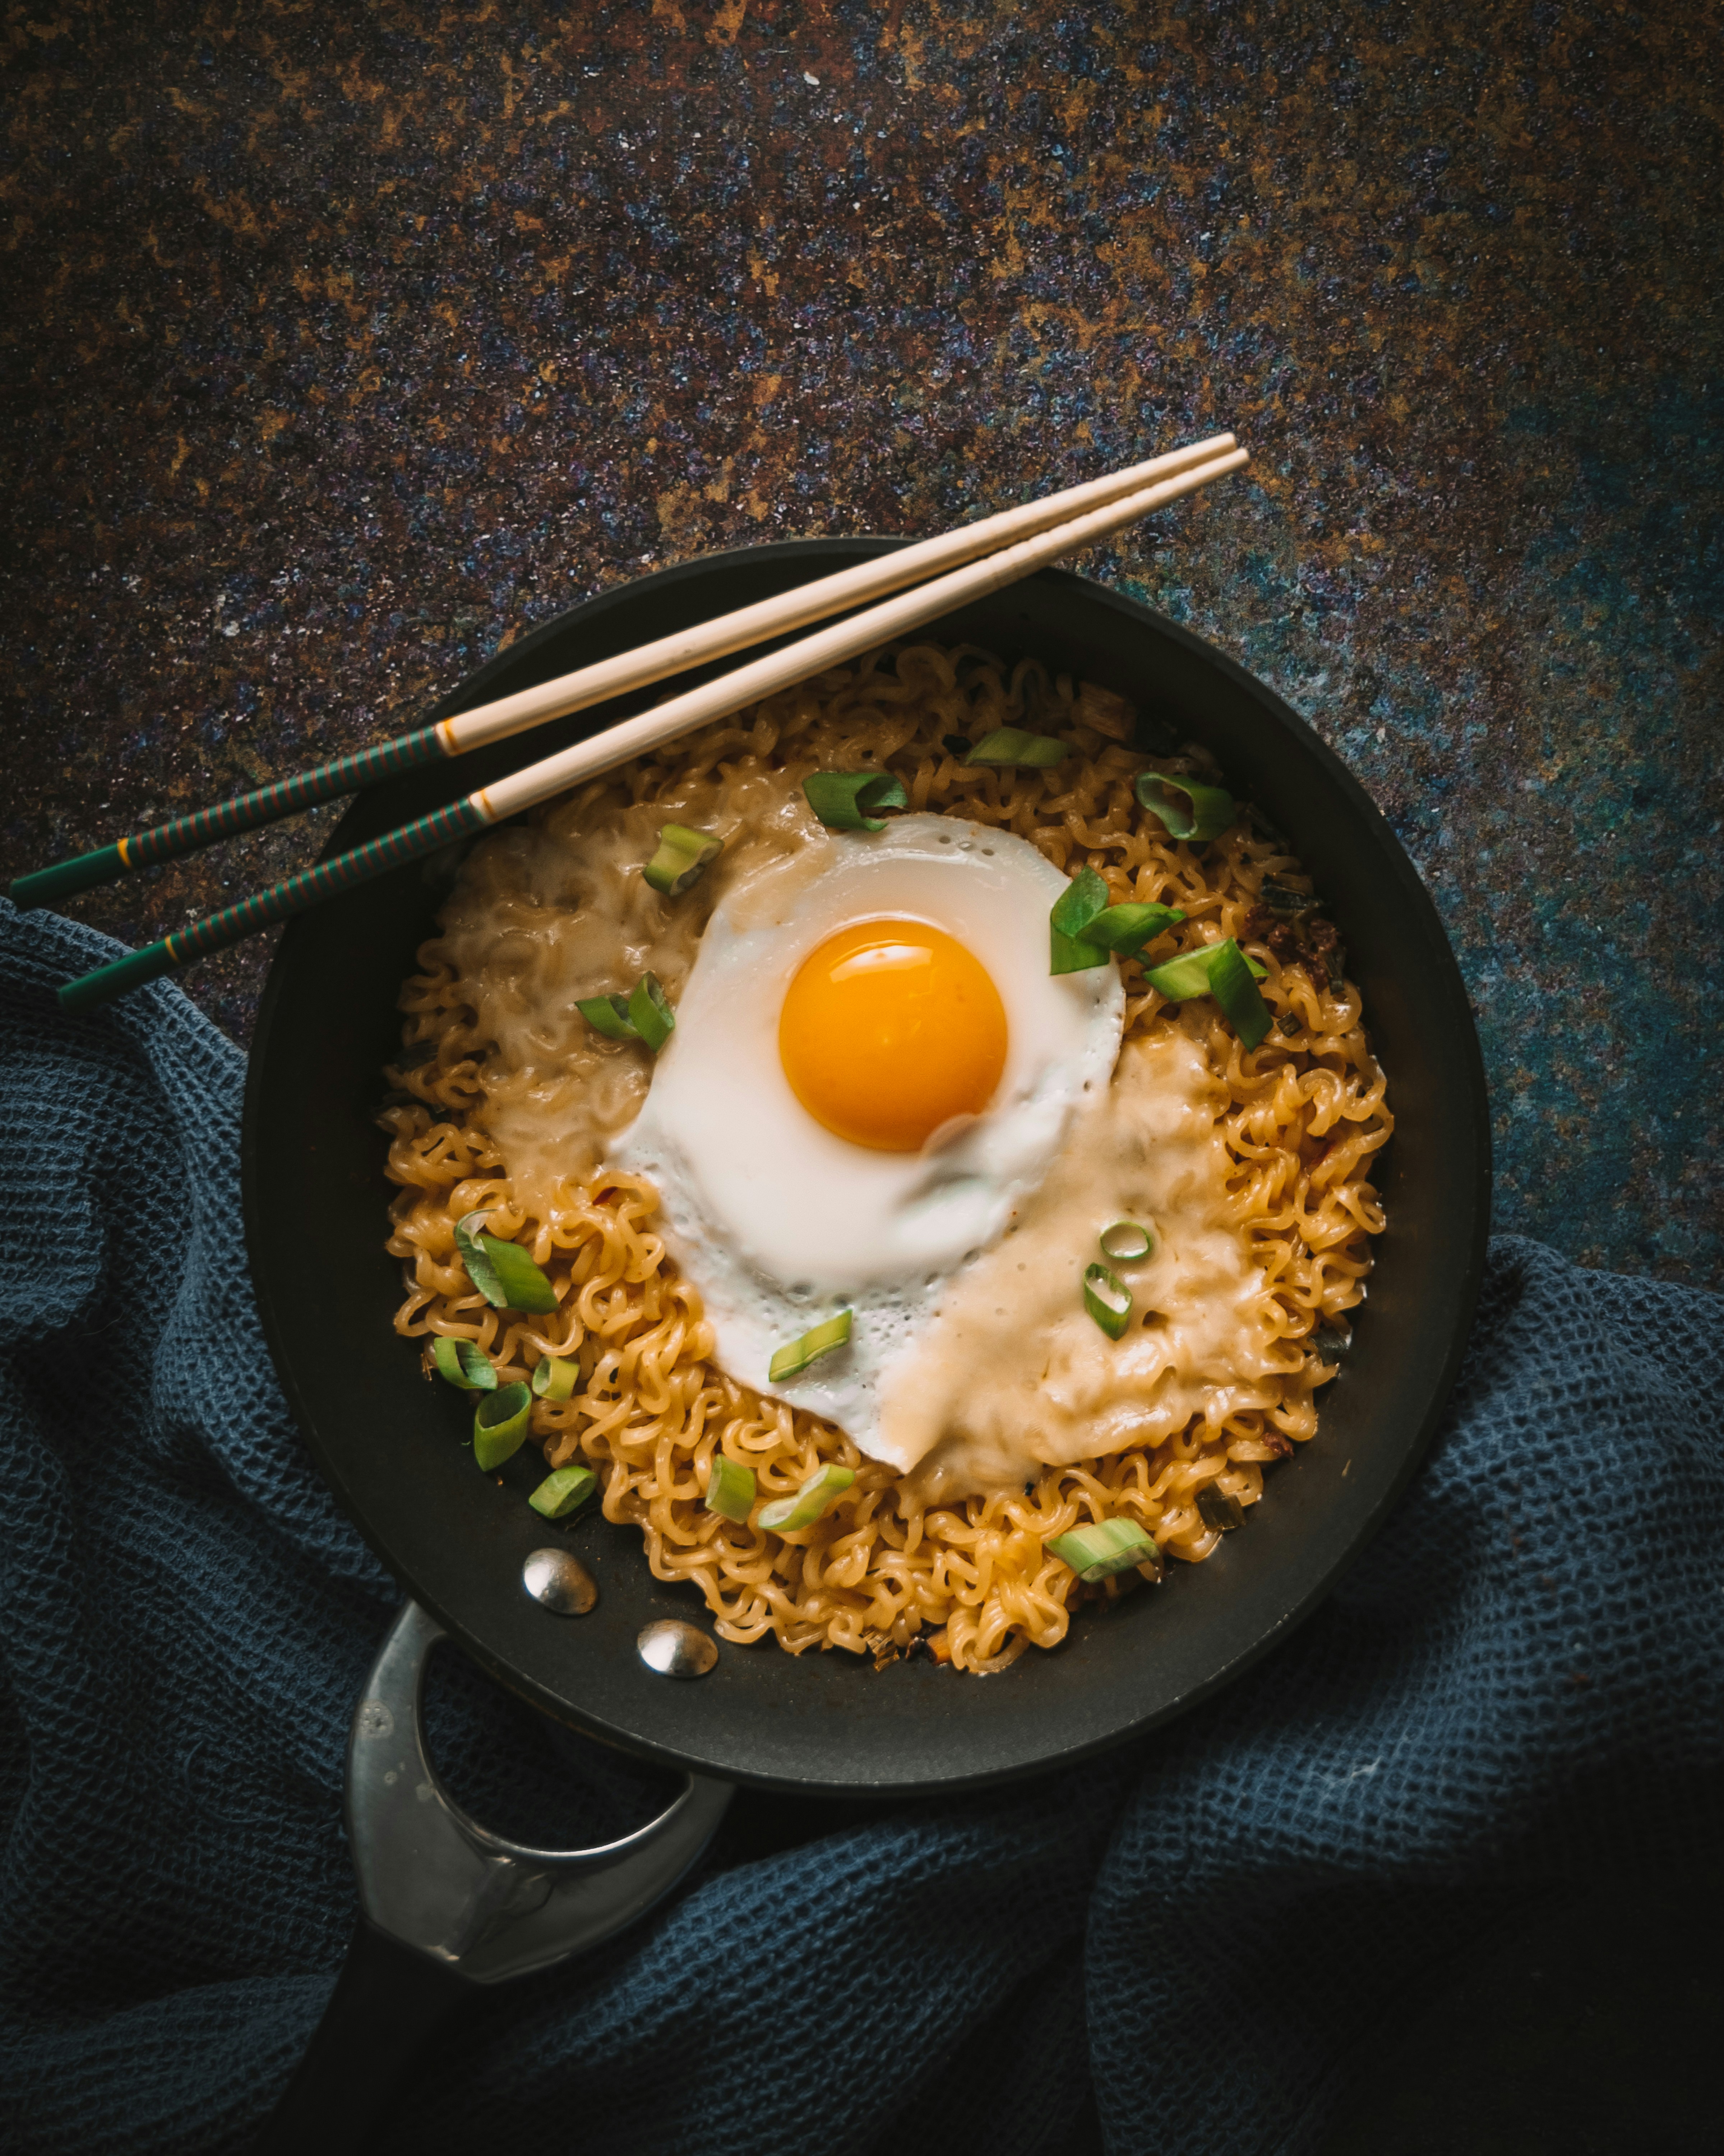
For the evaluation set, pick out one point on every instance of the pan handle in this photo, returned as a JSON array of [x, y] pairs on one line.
[[387, 2002], [447, 1906]]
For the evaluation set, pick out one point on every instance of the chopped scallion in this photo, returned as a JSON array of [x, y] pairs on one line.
[[608, 1015], [563, 1490], [1189, 810], [464, 1363], [555, 1377], [476, 1258], [524, 1286], [650, 1014], [1128, 928], [787, 1515], [792, 1361], [1280, 898], [644, 1014], [1217, 1510], [1100, 1548], [499, 1424], [1084, 929], [1187, 975], [502, 1272], [1083, 900], [681, 859], [1331, 1339], [730, 1489], [1108, 1300], [1010, 746], [1125, 1242], [1221, 970], [844, 800], [1079, 904]]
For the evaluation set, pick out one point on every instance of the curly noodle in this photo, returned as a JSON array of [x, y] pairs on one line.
[[973, 1577]]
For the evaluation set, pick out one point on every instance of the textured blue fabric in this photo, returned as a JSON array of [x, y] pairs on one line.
[[1519, 1685]]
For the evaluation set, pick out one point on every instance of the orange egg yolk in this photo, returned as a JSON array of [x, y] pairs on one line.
[[889, 1029]]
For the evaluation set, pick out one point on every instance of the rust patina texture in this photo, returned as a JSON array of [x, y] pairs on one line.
[[344, 345]]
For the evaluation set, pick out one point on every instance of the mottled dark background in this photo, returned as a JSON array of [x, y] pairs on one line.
[[345, 342]]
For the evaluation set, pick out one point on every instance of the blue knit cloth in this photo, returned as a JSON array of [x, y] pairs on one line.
[[1518, 1685]]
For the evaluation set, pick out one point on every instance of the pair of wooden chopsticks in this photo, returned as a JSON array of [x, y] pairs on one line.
[[1012, 545]]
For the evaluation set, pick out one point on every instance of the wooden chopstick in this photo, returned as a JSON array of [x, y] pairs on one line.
[[593, 685], [631, 737]]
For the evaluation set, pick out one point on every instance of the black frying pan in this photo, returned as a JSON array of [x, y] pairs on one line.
[[389, 1443]]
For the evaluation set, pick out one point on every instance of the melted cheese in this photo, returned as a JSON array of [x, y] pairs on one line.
[[1014, 1373]]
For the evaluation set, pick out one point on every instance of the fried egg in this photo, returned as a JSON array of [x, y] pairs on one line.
[[872, 1068]]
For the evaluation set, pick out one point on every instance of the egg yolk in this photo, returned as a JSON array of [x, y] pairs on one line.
[[889, 1029]]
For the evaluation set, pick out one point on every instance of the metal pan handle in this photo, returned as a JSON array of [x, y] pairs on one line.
[[448, 1905]]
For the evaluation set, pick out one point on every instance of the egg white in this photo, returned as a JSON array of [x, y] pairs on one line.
[[779, 1223]]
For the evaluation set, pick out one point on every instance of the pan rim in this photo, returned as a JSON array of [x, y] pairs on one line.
[[1472, 1194]]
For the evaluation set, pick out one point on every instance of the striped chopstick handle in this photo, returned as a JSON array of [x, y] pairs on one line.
[[346, 774], [215, 931], [185, 834]]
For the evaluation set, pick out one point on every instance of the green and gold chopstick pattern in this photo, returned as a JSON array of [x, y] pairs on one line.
[[185, 834], [347, 774], [422, 836], [215, 931]]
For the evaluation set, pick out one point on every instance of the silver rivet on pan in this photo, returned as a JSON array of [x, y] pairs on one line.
[[676, 1649], [560, 1582]]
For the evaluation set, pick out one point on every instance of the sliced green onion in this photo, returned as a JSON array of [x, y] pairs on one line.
[[1108, 1300], [650, 1014], [1331, 1340], [1083, 928], [1221, 970], [476, 1258], [1216, 1509], [464, 1363], [1189, 974], [499, 1424], [1128, 928], [1070, 954], [645, 1014], [792, 1361], [1010, 746], [1126, 1241], [1100, 1548], [563, 1490], [730, 1489], [524, 1286], [681, 859], [1083, 900], [555, 1377], [608, 1015], [502, 1272], [842, 799], [1281, 898], [789, 1514], [1189, 810]]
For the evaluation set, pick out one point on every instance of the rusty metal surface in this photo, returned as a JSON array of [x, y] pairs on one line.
[[343, 346]]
